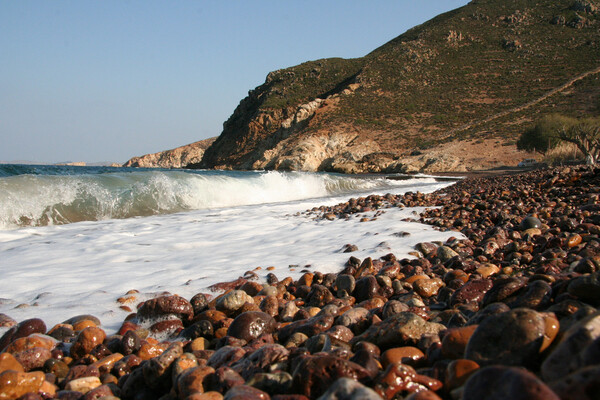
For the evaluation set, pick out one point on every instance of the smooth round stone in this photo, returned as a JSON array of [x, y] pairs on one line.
[[570, 352], [580, 385], [309, 327], [213, 316], [574, 240], [455, 274], [340, 332], [82, 324], [83, 385], [318, 343], [471, 292], [278, 382], [536, 295], [130, 343], [33, 358], [251, 288], [268, 290], [8, 361], [356, 319], [503, 289], [445, 253], [192, 380], [198, 329], [63, 333], [212, 395], [245, 392], [530, 223], [268, 357], [6, 321], [314, 374], [270, 305], [365, 268], [366, 288], [126, 364], [199, 303], [511, 338], [428, 287], [427, 248], [165, 329], [306, 279], [487, 270], [250, 325], [156, 370], [384, 281], [499, 383], [84, 317], [185, 361], [586, 288], [105, 364], [455, 341], [86, 341], [288, 311], [346, 388], [318, 296], [226, 356], [223, 379], [412, 279], [373, 303], [14, 384], [393, 307], [297, 339], [166, 305], [458, 371], [345, 282], [31, 341], [406, 355], [22, 330], [403, 329], [103, 391], [149, 350], [532, 232], [397, 379], [423, 395], [232, 301]]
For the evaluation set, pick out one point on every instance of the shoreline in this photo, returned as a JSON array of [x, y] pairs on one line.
[[528, 266]]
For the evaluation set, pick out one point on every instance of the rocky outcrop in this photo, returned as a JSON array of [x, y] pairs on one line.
[[468, 75], [175, 158]]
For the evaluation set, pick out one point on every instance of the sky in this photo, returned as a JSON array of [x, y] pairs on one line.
[[108, 80]]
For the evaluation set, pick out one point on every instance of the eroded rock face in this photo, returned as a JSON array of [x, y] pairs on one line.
[[179, 157]]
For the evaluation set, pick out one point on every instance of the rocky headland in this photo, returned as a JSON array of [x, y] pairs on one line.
[[175, 158], [506, 309], [481, 74]]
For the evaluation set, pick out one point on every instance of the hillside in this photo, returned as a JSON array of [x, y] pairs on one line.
[[476, 75], [175, 158]]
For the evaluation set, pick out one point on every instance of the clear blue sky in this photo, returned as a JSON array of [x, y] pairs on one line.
[[108, 80]]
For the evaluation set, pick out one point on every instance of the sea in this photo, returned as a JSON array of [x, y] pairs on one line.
[[100, 240]]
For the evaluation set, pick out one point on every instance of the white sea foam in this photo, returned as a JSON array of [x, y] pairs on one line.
[[55, 272], [38, 200]]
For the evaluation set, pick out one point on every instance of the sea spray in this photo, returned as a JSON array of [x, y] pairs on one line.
[[28, 197], [83, 268]]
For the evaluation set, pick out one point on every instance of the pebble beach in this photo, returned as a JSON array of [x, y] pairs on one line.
[[506, 308]]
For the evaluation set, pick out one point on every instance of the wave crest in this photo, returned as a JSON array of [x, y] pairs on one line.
[[37, 200]]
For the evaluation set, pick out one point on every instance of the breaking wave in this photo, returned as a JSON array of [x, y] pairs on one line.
[[37, 196]]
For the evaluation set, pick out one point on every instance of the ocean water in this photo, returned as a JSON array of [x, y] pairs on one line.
[[73, 240]]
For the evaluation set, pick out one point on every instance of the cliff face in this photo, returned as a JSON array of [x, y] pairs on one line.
[[175, 158], [480, 73]]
